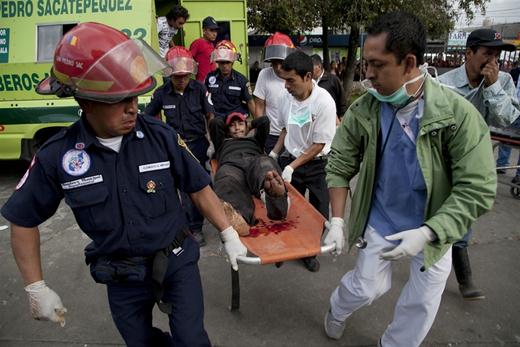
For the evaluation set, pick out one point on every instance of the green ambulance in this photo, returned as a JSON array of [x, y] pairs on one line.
[[30, 30]]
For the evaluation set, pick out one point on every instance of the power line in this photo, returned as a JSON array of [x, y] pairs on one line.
[[517, 15], [505, 9]]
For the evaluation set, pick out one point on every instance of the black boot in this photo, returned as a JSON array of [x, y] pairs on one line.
[[161, 338], [462, 269]]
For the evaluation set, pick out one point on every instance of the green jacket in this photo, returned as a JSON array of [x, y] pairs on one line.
[[454, 152]]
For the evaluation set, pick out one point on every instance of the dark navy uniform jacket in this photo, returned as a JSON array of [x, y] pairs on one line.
[[126, 202], [228, 94], [185, 112]]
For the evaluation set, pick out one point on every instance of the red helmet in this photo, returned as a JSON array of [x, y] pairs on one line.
[[97, 62], [278, 46], [224, 51], [181, 61]]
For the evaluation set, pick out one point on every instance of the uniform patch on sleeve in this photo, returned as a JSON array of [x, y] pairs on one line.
[[26, 174], [75, 162]]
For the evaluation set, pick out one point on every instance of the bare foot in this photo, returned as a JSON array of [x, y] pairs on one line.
[[273, 184]]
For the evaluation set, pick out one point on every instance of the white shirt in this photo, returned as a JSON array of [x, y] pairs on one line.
[[321, 76], [270, 88], [310, 121], [518, 89], [165, 33], [405, 115], [114, 143]]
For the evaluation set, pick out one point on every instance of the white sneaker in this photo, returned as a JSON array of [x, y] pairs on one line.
[[333, 328]]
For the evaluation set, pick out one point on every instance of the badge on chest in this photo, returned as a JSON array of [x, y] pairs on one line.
[[76, 162]]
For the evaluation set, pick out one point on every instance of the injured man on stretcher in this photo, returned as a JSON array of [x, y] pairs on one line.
[[244, 170]]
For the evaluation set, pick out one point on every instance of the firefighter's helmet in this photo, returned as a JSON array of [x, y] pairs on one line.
[[96, 62], [277, 46], [224, 51], [181, 61]]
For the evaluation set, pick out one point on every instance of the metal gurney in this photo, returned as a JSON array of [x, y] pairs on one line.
[[296, 237], [510, 138]]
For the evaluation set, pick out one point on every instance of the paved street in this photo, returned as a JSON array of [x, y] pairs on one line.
[[279, 307]]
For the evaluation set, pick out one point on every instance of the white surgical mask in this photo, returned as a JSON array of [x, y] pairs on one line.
[[400, 97]]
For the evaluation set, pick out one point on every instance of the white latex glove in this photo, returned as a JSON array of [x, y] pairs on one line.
[[273, 155], [233, 246], [45, 303], [210, 151], [412, 242], [287, 173], [335, 234]]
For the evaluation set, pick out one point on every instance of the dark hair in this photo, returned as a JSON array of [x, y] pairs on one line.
[[177, 11], [316, 60], [405, 34], [298, 61]]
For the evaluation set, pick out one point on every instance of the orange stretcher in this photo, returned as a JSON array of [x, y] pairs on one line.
[[298, 236], [271, 242]]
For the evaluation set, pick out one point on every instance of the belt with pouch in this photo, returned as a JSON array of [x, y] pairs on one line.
[[160, 266], [111, 269]]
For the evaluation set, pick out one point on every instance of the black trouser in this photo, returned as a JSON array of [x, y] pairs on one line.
[[131, 304], [199, 148], [311, 176], [464, 242], [235, 183], [271, 142]]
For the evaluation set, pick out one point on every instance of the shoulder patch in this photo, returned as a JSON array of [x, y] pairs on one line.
[[26, 174]]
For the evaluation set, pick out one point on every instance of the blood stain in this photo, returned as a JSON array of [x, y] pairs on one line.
[[266, 228]]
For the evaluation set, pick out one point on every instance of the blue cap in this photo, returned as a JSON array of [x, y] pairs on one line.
[[488, 38], [209, 23]]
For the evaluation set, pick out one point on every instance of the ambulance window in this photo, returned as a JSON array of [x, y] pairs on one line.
[[48, 38], [224, 33]]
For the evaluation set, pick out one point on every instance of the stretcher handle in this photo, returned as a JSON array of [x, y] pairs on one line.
[[510, 167], [249, 260], [258, 260]]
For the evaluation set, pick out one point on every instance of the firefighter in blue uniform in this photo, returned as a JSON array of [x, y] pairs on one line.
[[119, 172], [230, 90], [187, 109]]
